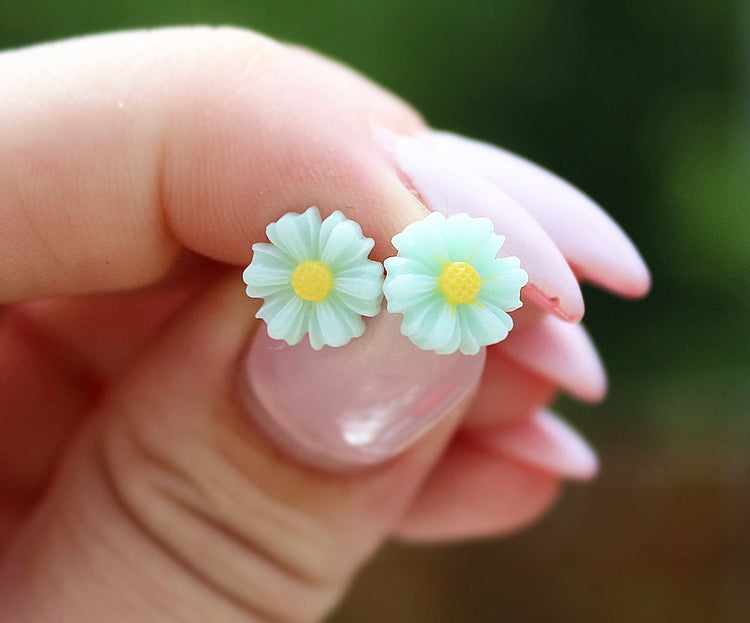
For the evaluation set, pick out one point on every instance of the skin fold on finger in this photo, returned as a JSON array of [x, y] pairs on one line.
[[44, 395], [58, 356], [172, 478], [171, 138], [43, 392], [103, 332], [474, 493]]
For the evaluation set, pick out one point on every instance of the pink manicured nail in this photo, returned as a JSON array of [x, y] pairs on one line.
[[358, 405], [544, 441], [591, 241], [449, 189], [561, 352]]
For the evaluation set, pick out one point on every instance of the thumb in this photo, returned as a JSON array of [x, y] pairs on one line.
[[172, 506]]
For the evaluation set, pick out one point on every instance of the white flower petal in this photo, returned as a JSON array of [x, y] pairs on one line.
[[406, 290], [498, 313], [451, 345], [426, 322], [494, 266], [365, 269], [327, 226], [364, 289], [465, 237], [256, 274], [262, 292], [297, 234], [350, 321], [361, 307], [265, 254], [345, 246], [274, 303], [335, 327], [413, 320], [269, 272], [488, 251], [481, 327], [287, 322], [423, 241], [395, 266], [438, 330], [314, 332], [503, 290]]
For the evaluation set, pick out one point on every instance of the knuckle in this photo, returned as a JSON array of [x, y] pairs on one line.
[[187, 494]]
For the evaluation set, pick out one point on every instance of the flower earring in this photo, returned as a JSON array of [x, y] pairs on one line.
[[452, 290], [315, 278]]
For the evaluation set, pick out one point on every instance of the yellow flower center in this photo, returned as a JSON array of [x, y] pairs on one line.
[[460, 282], [312, 281]]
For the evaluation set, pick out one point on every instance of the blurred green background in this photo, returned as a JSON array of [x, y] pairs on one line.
[[646, 106]]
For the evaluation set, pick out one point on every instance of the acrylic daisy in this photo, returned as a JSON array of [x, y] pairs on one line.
[[452, 289], [315, 278]]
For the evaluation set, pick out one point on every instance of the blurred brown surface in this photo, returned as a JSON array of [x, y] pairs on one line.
[[660, 536]]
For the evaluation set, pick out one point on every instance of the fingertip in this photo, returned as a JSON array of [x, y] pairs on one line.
[[449, 189], [561, 352], [474, 493], [543, 441], [195, 138], [588, 237]]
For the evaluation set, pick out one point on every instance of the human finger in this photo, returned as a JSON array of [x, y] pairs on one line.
[[560, 352], [507, 393], [475, 493], [494, 480], [172, 477], [141, 143], [592, 242]]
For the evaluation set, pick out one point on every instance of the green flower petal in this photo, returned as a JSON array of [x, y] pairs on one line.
[[357, 284], [288, 323], [345, 247], [411, 284]]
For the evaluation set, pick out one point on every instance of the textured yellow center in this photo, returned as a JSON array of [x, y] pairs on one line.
[[460, 282], [312, 280]]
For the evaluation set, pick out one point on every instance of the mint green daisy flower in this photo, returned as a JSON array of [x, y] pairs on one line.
[[454, 293], [315, 278]]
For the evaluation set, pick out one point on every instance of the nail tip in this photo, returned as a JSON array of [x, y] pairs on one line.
[[569, 307], [630, 278], [641, 283], [580, 460], [610, 260]]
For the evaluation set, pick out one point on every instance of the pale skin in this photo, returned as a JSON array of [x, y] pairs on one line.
[[137, 170]]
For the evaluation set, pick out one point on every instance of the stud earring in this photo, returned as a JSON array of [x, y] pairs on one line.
[[452, 290], [315, 278]]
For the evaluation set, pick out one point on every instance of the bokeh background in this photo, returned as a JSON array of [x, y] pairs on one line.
[[644, 104]]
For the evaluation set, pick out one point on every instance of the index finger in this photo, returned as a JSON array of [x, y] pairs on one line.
[[117, 151]]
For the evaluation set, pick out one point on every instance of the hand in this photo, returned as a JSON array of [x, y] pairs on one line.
[[147, 469]]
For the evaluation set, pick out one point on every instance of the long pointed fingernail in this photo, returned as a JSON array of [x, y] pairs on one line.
[[358, 405], [588, 237], [543, 441], [448, 189], [561, 352]]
